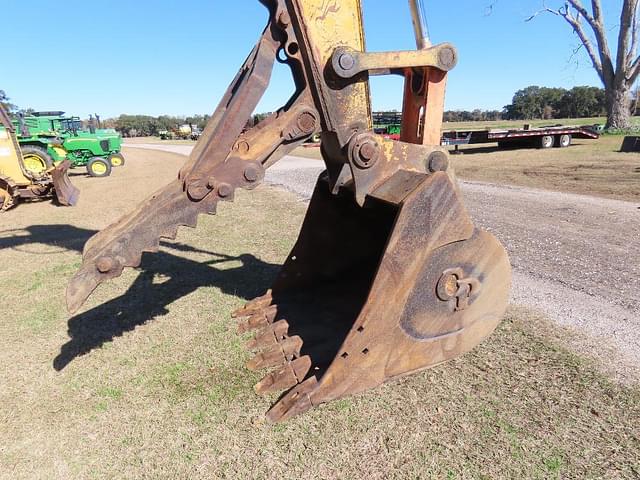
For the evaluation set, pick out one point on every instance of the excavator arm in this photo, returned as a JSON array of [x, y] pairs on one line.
[[389, 275]]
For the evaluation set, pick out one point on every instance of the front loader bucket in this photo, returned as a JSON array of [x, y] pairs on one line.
[[66, 193], [368, 294]]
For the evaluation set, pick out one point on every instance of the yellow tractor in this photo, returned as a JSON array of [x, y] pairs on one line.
[[389, 275], [18, 182]]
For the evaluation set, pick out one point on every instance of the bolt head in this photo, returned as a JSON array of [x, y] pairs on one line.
[[242, 147], [105, 264], [346, 61], [306, 122], [251, 173], [365, 151], [447, 58], [284, 19], [438, 162], [368, 151], [224, 190], [197, 191]]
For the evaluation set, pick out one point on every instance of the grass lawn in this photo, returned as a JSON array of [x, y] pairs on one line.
[[148, 381]]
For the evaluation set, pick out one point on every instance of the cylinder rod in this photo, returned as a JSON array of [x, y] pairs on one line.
[[420, 26]]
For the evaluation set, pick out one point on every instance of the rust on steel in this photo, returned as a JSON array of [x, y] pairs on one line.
[[389, 275]]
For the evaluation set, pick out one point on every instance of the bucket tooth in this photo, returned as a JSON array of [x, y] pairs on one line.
[[267, 359], [288, 376], [258, 320], [277, 354], [269, 335], [253, 306], [252, 323], [295, 402], [291, 347]]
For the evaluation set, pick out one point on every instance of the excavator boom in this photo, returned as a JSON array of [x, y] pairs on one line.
[[389, 275]]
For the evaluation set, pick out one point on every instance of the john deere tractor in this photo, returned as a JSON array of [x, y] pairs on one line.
[[17, 183], [43, 136]]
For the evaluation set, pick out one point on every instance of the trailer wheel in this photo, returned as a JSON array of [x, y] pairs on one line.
[[564, 141], [547, 141]]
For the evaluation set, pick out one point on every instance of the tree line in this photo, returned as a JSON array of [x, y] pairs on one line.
[[544, 103], [476, 115], [147, 125], [541, 103], [530, 103]]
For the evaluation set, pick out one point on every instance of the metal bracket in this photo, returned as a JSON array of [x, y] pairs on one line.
[[347, 63]]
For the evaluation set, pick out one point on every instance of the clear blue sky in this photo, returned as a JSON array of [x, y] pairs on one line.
[[177, 57]]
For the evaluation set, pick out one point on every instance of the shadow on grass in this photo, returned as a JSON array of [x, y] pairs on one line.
[[163, 279], [67, 237], [473, 150]]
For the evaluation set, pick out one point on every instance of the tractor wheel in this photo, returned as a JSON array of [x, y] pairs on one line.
[[36, 160], [99, 167], [564, 141], [547, 141], [116, 159]]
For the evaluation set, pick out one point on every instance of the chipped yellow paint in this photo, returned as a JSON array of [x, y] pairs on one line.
[[10, 159], [387, 150], [330, 24]]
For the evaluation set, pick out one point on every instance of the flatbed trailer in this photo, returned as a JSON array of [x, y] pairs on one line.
[[542, 137]]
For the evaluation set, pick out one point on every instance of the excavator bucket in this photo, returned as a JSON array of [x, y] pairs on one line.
[[66, 192], [368, 294], [389, 275]]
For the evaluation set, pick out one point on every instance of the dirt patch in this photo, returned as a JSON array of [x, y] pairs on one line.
[[148, 381]]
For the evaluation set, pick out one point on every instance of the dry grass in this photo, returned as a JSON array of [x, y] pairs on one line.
[[588, 167], [149, 380]]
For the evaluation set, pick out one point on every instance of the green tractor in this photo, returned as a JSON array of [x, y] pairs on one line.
[[44, 136]]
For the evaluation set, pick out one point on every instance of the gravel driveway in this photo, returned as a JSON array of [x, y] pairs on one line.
[[576, 259]]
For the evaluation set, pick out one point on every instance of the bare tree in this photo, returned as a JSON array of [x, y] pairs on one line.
[[617, 74]]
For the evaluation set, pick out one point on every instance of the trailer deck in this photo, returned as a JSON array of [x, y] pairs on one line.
[[542, 137]]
